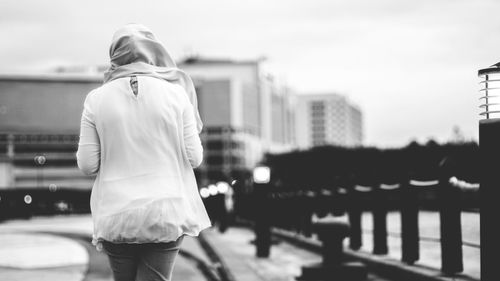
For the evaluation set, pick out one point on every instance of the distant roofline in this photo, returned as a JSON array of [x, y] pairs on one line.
[[53, 77], [326, 95], [207, 61], [317, 95]]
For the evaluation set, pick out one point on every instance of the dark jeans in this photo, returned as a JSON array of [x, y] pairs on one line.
[[141, 262]]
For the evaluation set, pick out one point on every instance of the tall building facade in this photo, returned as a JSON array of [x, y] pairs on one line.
[[327, 119], [245, 114]]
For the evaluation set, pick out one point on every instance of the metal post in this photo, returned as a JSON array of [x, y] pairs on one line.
[[409, 224], [308, 203], [262, 227], [489, 191], [354, 213], [451, 228], [379, 222]]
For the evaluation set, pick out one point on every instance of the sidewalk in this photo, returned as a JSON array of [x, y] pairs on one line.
[[238, 253], [25, 256], [58, 249]]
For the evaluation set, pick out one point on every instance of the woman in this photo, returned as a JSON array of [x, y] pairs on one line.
[[139, 133]]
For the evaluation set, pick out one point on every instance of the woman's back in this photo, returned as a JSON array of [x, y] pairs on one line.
[[145, 190], [141, 134]]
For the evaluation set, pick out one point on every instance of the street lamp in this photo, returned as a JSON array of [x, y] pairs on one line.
[[261, 179], [489, 191], [261, 175]]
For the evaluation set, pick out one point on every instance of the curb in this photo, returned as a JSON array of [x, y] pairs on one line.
[[207, 270], [221, 267]]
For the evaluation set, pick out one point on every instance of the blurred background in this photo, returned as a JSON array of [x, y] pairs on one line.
[[338, 99]]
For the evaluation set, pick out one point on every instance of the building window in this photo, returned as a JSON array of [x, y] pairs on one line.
[[214, 160], [317, 121], [316, 114]]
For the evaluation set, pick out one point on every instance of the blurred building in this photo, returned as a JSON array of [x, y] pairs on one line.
[[245, 114], [324, 119], [40, 116]]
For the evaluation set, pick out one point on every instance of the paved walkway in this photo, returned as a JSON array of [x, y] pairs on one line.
[[58, 248], [34, 251], [52, 249], [238, 253], [26, 255]]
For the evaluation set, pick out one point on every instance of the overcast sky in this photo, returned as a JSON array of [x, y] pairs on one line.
[[410, 65]]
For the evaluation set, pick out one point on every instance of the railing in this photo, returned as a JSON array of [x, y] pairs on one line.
[[293, 210]]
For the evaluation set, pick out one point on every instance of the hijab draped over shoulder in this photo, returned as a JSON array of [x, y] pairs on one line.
[[135, 51]]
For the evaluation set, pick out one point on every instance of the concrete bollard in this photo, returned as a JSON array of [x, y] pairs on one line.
[[333, 265]]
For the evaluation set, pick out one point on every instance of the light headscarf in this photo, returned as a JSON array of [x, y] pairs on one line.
[[135, 50]]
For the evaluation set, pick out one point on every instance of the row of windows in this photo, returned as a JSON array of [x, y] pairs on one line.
[[319, 142], [318, 114], [318, 121], [319, 126], [320, 107], [317, 104], [223, 144], [42, 138], [318, 134], [219, 130], [220, 160]]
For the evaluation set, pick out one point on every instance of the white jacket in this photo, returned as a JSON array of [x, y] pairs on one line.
[[143, 148]]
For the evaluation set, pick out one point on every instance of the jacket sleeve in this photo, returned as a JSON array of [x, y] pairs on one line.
[[88, 155], [192, 142]]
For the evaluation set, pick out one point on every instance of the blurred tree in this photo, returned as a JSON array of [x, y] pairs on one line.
[[457, 136], [328, 167]]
